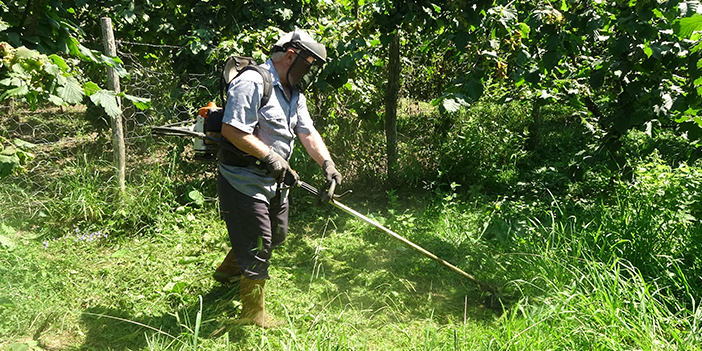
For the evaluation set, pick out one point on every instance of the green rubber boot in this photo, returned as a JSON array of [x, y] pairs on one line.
[[252, 304], [228, 271]]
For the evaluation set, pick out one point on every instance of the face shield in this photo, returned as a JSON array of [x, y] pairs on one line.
[[311, 55], [303, 72]]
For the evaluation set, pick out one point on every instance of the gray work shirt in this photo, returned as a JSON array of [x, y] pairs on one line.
[[278, 123]]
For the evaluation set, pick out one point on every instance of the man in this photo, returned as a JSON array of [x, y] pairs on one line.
[[252, 199]]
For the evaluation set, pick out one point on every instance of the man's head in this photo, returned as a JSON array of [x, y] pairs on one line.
[[295, 53]]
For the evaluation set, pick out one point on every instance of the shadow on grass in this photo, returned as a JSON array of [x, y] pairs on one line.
[[382, 271], [114, 329]]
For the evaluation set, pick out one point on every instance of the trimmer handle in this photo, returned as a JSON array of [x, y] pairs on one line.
[[329, 194], [290, 180]]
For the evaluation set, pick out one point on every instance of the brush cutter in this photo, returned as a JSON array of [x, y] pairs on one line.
[[327, 196], [333, 199]]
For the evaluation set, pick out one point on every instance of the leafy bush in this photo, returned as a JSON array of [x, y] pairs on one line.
[[482, 145], [14, 156]]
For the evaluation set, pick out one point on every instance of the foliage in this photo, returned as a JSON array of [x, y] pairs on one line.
[[38, 73], [14, 156], [622, 62], [39, 78], [583, 255]]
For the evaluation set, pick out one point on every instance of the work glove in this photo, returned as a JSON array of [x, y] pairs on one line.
[[331, 173], [278, 167]]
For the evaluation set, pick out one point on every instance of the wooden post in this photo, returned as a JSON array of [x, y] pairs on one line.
[[391, 106], [113, 84]]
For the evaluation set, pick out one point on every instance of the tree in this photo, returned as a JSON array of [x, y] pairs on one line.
[[624, 63]]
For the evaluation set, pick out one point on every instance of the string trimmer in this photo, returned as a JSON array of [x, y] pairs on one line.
[[333, 199], [328, 197]]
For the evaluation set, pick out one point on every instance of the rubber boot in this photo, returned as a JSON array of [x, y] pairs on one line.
[[252, 304], [228, 271]]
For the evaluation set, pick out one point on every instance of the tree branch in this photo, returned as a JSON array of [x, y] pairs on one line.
[[592, 107]]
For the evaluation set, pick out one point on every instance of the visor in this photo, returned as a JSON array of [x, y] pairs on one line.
[[301, 40]]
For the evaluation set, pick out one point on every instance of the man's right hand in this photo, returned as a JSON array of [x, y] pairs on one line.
[[276, 165]]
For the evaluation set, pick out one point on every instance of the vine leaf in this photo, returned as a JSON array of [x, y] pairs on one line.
[[688, 25], [108, 101], [71, 92]]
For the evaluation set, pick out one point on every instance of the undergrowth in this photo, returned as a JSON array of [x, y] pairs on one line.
[[578, 266]]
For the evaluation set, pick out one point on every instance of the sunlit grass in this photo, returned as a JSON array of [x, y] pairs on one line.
[[78, 270]]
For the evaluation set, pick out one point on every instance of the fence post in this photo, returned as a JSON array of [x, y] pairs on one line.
[[113, 84], [391, 96]]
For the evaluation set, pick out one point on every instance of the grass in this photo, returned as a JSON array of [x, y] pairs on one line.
[[79, 271]]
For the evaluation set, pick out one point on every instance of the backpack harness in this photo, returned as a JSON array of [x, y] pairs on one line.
[[229, 154]]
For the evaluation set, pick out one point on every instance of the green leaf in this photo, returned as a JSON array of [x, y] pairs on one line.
[[24, 53], [9, 151], [139, 102], [7, 242], [19, 91], [52, 69], [688, 25], [72, 46], [474, 89], [116, 63], [17, 68], [90, 88], [71, 92], [24, 144], [57, 60], [197, 197], [8, 164], [108, 101], [5, 302], [56, 100], [173, 287], [19, 347], [524, 29], [87, 53], [450, 105]]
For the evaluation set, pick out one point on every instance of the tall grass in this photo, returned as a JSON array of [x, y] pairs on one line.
[[584, 304], [617, 274]]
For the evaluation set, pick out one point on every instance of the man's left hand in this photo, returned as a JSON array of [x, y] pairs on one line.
[[331, 173]]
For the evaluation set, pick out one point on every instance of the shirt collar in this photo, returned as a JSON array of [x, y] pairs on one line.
[[276, 78]]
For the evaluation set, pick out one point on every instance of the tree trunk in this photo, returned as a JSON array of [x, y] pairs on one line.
[[536, 124], [391, 106]]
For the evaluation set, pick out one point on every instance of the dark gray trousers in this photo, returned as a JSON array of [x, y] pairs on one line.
[[255, 228]]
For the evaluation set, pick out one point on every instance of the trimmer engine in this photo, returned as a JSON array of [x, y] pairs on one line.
[[209, 122]]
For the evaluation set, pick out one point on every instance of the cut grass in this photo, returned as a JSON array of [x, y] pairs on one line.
[[118, 292]]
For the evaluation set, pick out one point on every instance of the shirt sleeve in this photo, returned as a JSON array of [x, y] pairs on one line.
[[243, 101], [304, 120]]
